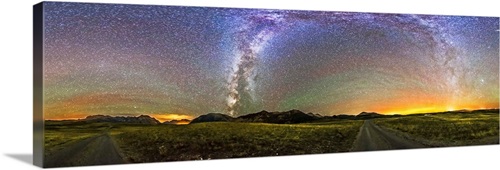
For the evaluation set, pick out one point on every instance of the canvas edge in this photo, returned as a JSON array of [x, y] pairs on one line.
[[38, 141], [139, 3], [38, 30]]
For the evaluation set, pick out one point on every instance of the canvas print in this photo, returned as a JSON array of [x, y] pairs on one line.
[[117, 83]]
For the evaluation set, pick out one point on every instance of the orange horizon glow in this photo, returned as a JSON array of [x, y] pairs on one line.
[[73, 116], [433, 108], [183, 122], [58, 119], [169, 117], [409, 102], [430, 110], [160, 117]]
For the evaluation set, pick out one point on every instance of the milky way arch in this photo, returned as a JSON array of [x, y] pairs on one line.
[[171, 60], [261, 26]]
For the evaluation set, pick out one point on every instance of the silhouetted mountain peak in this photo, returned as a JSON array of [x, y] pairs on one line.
[[295, 111], [90, 117], [291, 116], [142, 119], [212, 117], [178, 122], [264, 112], [369, 114]]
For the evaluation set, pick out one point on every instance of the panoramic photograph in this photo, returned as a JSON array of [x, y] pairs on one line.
[[149, 83]]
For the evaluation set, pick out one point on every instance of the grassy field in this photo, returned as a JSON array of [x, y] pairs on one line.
[[232, 140], [215, 140], [447, 129]]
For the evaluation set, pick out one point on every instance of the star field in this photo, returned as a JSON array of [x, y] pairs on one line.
[[170, 60]]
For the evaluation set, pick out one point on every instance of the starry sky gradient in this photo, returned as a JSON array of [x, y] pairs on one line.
[[188, 61]]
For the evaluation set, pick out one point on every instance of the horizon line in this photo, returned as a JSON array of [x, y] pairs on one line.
[[137, 115]]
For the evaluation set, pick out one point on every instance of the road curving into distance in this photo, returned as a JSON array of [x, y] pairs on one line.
[[371, 138]]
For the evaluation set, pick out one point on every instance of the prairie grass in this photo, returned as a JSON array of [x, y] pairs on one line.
[[447, 129], [232, 140]]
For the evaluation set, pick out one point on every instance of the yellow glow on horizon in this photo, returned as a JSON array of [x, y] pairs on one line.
[[393, 113], [450, 108], [66, 118], [183, 123], [170, 116], [410, 102], [416, 110], [72, 116], [432, 110]]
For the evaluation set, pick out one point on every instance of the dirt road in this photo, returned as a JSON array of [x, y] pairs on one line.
[[97, 150], [371, 137]]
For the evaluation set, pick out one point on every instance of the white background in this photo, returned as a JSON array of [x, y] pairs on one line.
[[16, 92]]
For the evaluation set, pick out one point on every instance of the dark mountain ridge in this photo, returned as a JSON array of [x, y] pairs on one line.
[[287, 117], [177, 122], [142, 119], [297, 116], [213, 117], [369, 115]]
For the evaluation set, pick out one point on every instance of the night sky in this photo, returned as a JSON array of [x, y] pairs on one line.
[[181, 62]]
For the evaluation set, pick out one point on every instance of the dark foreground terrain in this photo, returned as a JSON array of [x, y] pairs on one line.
[[71, 143]]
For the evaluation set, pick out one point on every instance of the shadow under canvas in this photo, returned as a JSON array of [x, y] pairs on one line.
[[26, 158]]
